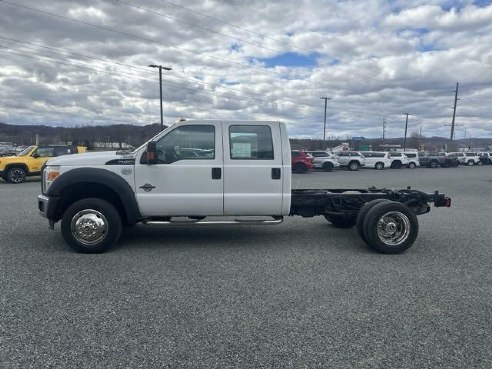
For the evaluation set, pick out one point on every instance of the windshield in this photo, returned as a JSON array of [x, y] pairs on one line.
[[26, 151], [145, 143]]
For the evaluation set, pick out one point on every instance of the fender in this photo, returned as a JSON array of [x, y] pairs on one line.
[[103, 177]]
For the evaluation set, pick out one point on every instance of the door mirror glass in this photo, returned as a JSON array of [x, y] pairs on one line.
[[151, 153]]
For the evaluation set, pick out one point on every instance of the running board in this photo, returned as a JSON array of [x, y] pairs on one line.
[[213, 222]]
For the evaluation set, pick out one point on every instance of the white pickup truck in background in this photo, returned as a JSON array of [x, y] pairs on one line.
[[226, 169]]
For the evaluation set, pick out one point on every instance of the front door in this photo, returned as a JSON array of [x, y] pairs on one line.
[[39, 157], [188, 178], [253, 169]]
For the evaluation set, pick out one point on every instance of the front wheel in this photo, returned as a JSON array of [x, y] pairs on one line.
[[300, 168], [390, 227], [353, 165], [433, 164], [470, 163], [91, 225], [328, 167], [16, 175]]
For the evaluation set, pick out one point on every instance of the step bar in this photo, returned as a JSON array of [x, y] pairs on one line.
[[274, 221]]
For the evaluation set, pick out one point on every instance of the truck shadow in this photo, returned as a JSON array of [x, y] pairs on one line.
[[319, 236]]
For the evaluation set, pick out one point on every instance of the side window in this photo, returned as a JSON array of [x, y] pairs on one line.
[[62, 151], [250, 142], [45, 152], [411, 156], [187, 142]]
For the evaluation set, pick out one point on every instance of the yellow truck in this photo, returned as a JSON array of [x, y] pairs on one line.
[[30, 162]]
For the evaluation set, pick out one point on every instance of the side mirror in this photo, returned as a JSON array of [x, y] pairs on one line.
[[151, 153], [35, 156]]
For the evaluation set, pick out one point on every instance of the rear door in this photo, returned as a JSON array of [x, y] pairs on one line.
[[253, 171]]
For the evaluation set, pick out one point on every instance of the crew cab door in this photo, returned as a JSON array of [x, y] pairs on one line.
[[188, 177], [253, 169]]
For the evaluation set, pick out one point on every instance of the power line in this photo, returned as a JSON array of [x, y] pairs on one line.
[[137, 37], [126, 75], [131, 35], [78, 54], [195, 25]]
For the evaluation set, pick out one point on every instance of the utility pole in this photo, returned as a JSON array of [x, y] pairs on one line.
[[384, 128], [454, 115], [420, 138], [160, 87], [406, 128], [324, 125]]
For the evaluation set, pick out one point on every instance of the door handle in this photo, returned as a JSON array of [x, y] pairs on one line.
[[276, 173], [216, 173]]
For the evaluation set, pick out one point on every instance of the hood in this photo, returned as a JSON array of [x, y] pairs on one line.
[[11, 159], [94, 158]]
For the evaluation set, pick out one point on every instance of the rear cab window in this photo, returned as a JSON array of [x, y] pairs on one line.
[[247, 142]]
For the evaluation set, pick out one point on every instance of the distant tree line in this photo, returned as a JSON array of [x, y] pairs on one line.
[[90, 136]]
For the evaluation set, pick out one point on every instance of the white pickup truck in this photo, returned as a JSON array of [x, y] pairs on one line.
[[225, 169]]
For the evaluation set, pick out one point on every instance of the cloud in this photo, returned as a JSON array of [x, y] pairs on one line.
[[249, 60]]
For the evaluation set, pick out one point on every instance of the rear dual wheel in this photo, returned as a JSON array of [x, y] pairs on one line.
[[387, 226]]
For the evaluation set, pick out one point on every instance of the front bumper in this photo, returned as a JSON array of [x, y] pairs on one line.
[[46, 207]]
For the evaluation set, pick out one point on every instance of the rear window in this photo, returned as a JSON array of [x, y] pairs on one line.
[[411, 155]]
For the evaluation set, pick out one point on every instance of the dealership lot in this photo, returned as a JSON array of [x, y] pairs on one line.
[[302, 294]]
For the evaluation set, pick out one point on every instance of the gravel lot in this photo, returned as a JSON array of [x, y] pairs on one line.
[[298, 295]]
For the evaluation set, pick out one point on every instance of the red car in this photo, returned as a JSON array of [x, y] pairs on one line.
[[301, 161]]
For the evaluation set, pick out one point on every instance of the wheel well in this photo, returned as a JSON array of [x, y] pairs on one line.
[[17, 165], [354, 161], [380, 162], [84, 190]]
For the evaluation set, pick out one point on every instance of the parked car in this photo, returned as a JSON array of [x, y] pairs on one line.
[[301, 161], [473, 158], [324, 160], [377, 159], [30, 162], [398, 160], [460, 156], [486, 158], [440, 159], [353, 160], [413, 158]]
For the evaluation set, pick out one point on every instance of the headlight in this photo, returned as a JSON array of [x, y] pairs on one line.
[[50, 173]]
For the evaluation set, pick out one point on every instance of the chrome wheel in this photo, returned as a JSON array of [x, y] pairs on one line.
[[393, 228], [89, 227]]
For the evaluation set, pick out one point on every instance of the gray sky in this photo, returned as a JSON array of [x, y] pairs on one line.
[[85, 62]]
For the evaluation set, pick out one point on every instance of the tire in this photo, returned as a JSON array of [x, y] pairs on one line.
[[359, 223], [412, 165], [328, 167], [300, 168], [470, 163], [433, 164], [15, 175], [396, 164], [399, 232], [339, 221], [480, 163], [354, 165], [379, 166], [98, 222]]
